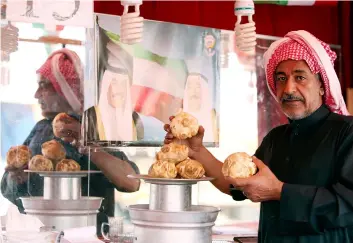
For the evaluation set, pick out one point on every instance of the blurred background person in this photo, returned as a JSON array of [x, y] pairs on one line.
[[60, 84]]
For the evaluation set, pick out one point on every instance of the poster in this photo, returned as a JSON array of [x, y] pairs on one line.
[[140, 86]]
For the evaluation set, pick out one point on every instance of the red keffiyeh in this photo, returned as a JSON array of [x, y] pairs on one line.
[[63, 69]]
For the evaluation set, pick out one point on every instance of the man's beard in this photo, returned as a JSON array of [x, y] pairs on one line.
[[286, 98], [52, 111]]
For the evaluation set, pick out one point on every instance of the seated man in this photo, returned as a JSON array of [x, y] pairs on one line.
[[59, 90]]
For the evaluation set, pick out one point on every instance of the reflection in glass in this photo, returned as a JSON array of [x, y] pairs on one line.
[[58, 89], [113, 118], [115, 106]]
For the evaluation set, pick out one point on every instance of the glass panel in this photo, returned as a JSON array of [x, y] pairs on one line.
[[29, 102]]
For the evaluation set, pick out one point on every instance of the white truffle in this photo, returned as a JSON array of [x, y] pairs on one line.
[[67, 165], [184, 126], [190, 169], [40, 163], [173, 153], [18, 156], [239, 165], [53, 150], [162, 169]]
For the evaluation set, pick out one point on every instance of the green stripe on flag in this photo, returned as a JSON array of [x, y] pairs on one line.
[[112, 36], [47, 46], [38, 26], [138, 51]]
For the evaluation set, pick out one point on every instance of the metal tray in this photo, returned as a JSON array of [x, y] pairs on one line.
[[67, 174], [168, 181]]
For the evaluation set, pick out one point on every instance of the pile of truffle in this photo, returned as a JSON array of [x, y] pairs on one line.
[[172, 160], [53, 153], [53, 156]]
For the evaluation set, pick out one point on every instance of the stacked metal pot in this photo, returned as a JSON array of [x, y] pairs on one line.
[[169, 217]]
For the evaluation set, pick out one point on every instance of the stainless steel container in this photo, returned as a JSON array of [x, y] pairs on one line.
[[170, 217], [63, 214], [62, 188], [155, 226], [170, 197], [62, 205]]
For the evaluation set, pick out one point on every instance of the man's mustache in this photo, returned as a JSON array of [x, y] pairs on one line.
[[291, 97]]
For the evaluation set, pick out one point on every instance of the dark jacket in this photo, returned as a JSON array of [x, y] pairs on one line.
[[314, 159]]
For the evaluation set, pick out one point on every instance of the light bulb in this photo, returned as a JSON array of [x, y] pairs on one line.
[[131, 24], [9, 44], [9, 39], [245, 33]]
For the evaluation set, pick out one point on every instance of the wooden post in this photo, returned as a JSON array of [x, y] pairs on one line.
[[350, 100]]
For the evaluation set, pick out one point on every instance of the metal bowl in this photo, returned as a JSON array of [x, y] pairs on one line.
[[39, 203]]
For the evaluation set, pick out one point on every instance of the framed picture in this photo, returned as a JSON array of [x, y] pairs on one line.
[[175, 68]]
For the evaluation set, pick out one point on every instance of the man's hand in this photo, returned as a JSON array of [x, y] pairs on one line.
[[17, 174], [70, 132], [263, 186], [194, 143]]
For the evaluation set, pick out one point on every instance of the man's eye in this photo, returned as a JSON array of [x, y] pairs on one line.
[[281, 79], [44, 85], [299, 78]]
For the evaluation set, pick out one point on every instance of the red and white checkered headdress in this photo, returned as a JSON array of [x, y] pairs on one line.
[[64, 70]]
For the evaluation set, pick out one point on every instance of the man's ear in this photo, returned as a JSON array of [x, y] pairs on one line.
[[322, 89]]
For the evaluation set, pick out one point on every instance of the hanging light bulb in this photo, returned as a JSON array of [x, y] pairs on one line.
[[245, 33], [131, 24], [9, 40], [9, 44]]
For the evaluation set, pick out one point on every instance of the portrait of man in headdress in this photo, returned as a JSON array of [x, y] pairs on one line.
[[113, 118], [198, 97]]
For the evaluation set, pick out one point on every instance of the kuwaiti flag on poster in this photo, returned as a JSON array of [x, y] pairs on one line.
[[298, 2], [157, 82]]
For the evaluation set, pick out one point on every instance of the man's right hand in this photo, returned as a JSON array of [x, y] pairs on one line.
[[195, 143], [17, 174], [197, 151]]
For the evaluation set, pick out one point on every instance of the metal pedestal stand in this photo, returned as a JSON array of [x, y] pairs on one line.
[[62, 205], [170, 217]]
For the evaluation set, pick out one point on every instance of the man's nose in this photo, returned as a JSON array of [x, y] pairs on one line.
[[290, 86], [37, 94]]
